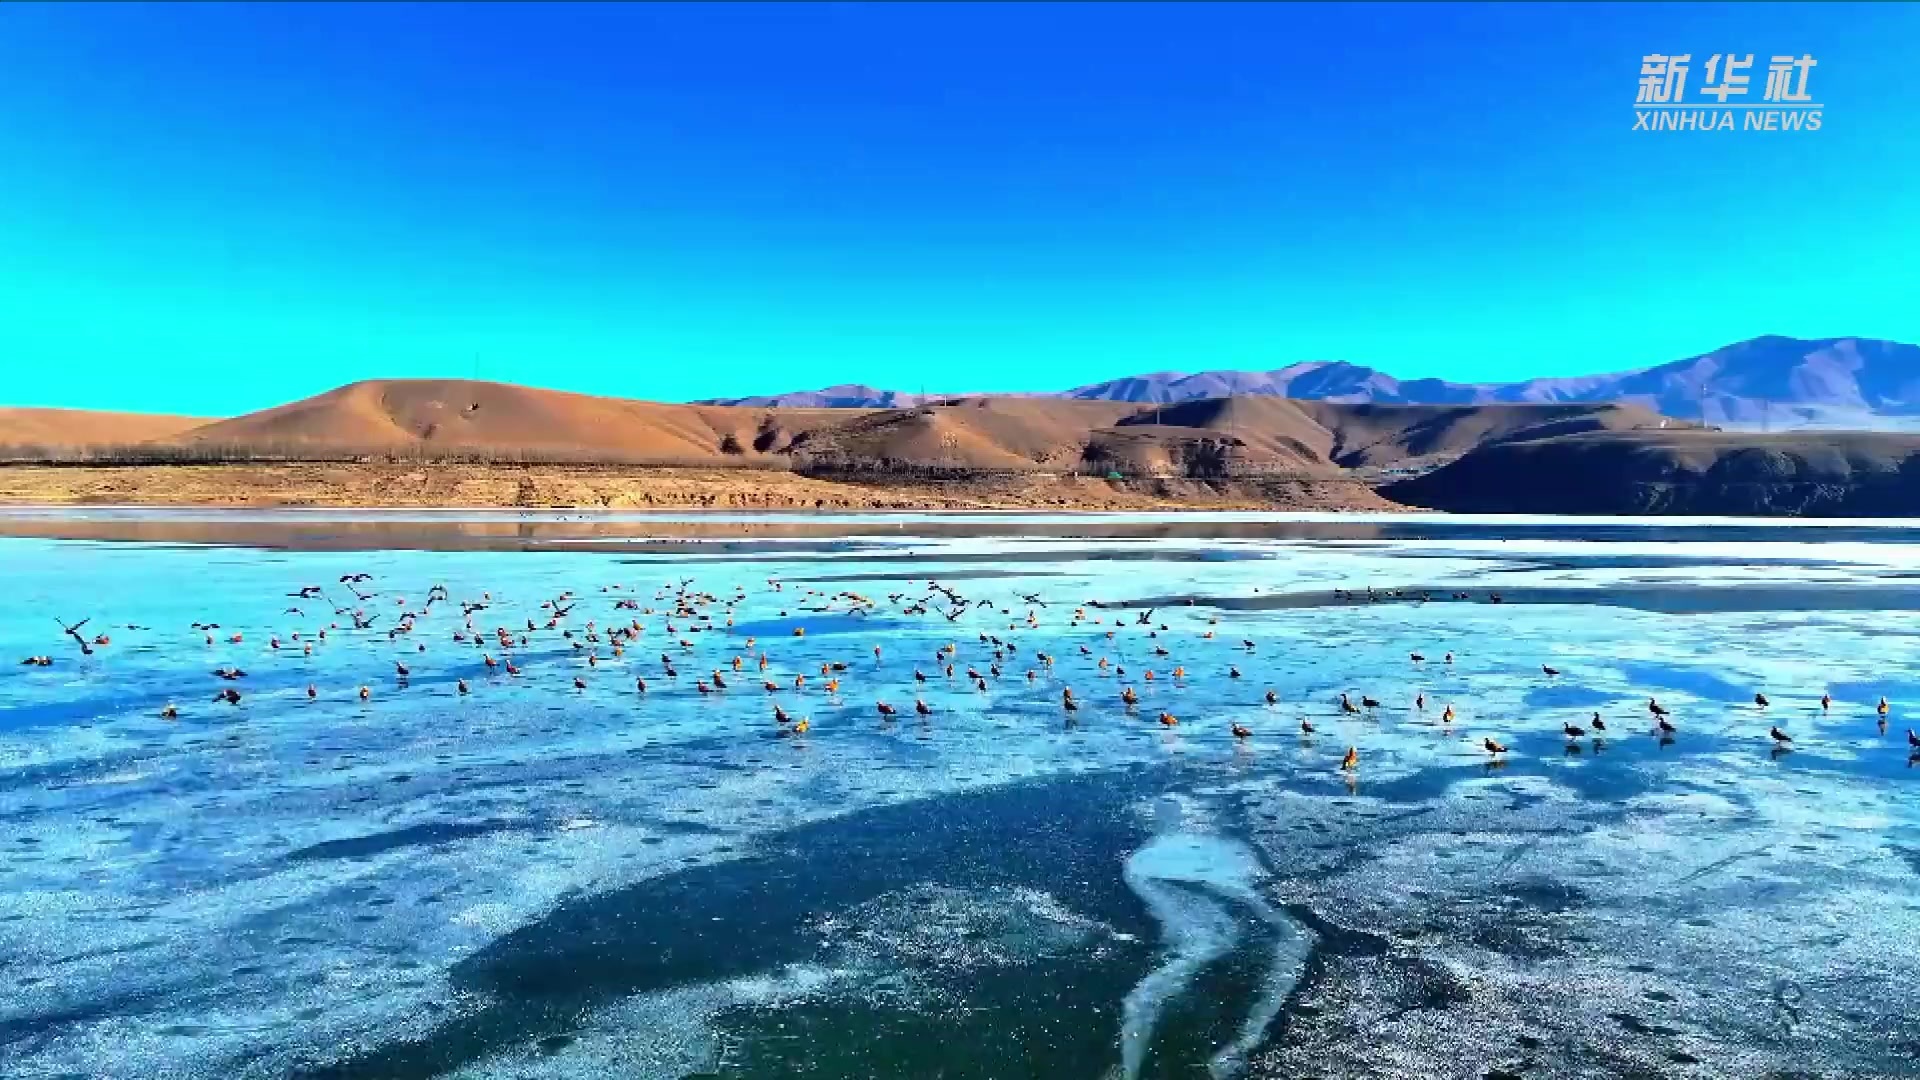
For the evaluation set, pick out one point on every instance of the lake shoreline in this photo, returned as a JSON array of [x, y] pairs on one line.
[[639, 488]]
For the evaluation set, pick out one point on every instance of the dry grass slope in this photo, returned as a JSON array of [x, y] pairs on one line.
[[52, 430]]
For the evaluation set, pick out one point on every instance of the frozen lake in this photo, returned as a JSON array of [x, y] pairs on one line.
[[536, 878]]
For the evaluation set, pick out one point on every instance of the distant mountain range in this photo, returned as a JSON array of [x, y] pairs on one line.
[[1773, 381], [843, 396]]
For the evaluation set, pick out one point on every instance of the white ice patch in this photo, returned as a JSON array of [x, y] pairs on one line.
[[1193, 882]]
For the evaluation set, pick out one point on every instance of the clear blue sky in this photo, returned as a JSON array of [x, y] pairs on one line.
[[210, 209]]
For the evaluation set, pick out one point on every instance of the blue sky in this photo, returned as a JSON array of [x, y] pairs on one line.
[[216, 208]]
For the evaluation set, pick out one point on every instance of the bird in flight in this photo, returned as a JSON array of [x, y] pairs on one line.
[[86, 648]]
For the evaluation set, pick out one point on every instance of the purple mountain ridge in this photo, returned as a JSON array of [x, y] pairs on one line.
[[1766, 380]]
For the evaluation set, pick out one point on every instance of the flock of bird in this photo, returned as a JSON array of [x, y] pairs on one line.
[[686, 614]]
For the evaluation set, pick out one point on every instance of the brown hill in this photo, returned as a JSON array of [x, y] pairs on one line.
[[506, 421], [984, 433], [1220, 434], [1263, 431], [1377, 435], [1550, 458], [23, 427], [1204, 438], [1839, 474]]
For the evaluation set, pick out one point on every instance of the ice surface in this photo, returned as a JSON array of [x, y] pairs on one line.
[[536, 880]]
